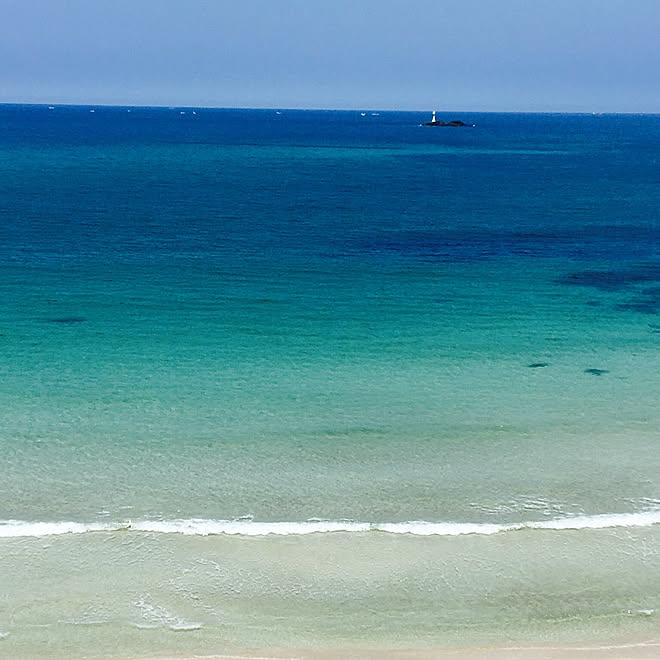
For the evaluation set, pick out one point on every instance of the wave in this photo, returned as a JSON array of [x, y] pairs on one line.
[[248, 527]]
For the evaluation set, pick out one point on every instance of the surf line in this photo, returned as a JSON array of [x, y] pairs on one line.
[[249, 527]]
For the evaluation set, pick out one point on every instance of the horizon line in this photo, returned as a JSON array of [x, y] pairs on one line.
[[67, 104]]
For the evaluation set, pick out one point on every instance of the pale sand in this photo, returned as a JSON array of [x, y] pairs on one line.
[[649, 650]]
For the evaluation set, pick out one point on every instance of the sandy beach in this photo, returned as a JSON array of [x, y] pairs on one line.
[[644, 650]]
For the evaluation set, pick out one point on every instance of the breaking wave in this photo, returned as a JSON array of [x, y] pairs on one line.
[[249, 527]]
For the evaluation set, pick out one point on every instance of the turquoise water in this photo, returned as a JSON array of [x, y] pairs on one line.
[[318, 380]]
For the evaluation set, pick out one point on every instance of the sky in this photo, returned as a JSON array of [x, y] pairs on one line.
[[481, 55]]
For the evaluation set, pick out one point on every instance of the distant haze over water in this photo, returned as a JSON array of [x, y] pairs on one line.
[[568, 56]]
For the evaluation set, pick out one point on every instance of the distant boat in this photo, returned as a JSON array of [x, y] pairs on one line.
[[438, 122]]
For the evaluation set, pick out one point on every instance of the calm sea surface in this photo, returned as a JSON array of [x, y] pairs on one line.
[[307, 379]]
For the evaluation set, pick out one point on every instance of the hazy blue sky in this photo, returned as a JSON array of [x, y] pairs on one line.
[[591, 55]]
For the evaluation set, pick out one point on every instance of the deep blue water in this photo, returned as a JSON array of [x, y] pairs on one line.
[[154, 184]]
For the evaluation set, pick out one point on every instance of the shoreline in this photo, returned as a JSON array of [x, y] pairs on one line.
[[644, 650]]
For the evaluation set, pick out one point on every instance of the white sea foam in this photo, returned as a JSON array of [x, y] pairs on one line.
[[602, 521], [152, 615], [244, 527], [248, 527], [424, 528]]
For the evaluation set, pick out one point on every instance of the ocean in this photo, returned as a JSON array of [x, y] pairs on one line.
[[319, 380]]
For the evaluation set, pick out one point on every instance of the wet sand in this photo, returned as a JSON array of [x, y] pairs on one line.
[[647, 650]]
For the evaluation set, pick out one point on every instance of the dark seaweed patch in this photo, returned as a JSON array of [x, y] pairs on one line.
[[653, 291], [70, 320], [596, 372], [640, 305], [613, 280], [598, 279], [606, 242], [647, 302]]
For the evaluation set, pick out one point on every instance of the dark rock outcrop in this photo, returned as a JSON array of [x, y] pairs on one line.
[[453, 123]]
